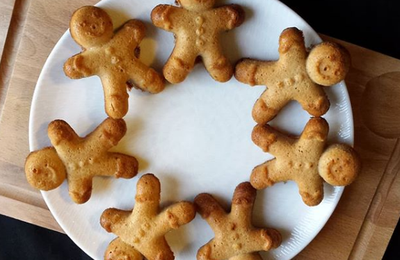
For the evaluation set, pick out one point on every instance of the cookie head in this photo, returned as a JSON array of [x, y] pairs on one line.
[[91, 26], [44, 169], [197, 5], [328, 63], [339, 165]]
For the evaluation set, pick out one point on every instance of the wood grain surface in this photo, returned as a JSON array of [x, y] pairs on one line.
[[360, 227], [44, 24], [6, 10]]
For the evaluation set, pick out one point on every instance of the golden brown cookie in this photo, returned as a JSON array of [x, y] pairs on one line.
[[235, 235], [111, 57], [305, 160], [196, 26], [79, 159], [295, 76], [143, 229]]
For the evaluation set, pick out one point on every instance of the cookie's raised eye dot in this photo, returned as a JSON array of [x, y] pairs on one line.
[[46, 165], [93, 27], [199, 20], [34, 170]]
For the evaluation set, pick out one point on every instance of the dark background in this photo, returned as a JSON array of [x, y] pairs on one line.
[[371, 24]]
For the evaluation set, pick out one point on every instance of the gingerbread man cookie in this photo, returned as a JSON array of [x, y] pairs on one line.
[[297, 75], [196, 26], [235, 235], [305, 160], [111, 57], [143, 229], [79, 159]]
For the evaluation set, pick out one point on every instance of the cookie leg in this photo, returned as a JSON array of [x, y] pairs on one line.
[[115, 96], [312, 192], [179, 64], [146, 78], [80, 189], [158, 250], [213, 250], [117, 249], [252, 256], [267, 107], [263, 175], [218, 66], [265, 239], [315, 102]]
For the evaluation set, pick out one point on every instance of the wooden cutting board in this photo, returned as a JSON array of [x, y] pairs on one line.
[[360, 227]]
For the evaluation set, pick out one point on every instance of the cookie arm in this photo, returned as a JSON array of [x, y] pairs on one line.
[[113, 219], [316, 129], [61, 135], [118, 165], [147, 196], [142, 76], [175, 216], [107, 134], [229, 16], [255, 72], [166, 16], [81, 65], [131, 34]]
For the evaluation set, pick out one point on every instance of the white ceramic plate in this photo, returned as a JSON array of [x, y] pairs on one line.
[[194, 136]]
